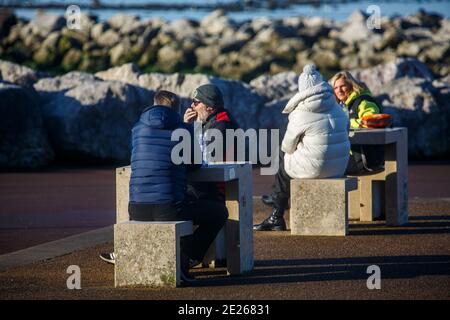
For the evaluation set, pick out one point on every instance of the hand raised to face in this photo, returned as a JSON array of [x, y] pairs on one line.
[[190, 115]]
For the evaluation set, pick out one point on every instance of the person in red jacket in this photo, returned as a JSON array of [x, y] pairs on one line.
[[207, 108]]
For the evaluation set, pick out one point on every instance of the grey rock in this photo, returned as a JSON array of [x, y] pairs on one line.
[[119, 51], [172, 57], [181, 28], [315, 28], [243, 65], [409, 49], [276, 87], [23, 140], [356, 28], [18, 74], [261, 23], [127, 73], [326, 59], [207, 55], [375, 78], [109, 38], [438, 52], [134, 28], [98, 29], [122, 21], [88, 117], [51, 41], [415, 104], [414, 34], [45, 23], [287, 49], [242, 101], [405, 89], [216, 22]]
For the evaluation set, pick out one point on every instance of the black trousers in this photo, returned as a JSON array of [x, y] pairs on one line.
[[282, 189], [209, 215]]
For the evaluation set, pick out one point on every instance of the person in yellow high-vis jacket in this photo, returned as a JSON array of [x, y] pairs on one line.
[[356, 99]]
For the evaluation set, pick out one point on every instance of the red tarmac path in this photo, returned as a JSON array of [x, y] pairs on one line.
[[37, 207]]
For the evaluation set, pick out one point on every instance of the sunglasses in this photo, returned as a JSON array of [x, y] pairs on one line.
[[195, 102]]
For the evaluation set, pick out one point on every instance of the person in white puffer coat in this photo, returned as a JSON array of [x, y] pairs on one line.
[[315, 145]]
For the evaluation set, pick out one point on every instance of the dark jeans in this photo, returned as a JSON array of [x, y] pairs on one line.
[[365, 158], [209, 215], [282, 189]]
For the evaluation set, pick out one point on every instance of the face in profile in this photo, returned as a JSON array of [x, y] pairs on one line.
[[342, 89], [202, 110]]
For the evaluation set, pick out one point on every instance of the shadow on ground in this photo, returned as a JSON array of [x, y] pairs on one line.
[[416, 225], [304, 270]]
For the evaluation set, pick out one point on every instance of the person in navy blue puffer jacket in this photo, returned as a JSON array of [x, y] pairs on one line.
[[154, 178], [158, 186]]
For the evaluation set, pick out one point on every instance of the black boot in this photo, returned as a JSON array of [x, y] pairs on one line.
[[268, 200], [275, 222]]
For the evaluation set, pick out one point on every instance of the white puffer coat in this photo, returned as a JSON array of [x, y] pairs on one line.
[[316, 143]]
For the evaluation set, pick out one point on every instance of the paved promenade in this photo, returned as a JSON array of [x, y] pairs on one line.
[[40, 207]]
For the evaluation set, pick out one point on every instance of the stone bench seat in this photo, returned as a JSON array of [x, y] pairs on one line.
[[367, 202], [148, 253], [319, 207]]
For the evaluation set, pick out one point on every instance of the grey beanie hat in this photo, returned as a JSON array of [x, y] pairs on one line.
[[210, 95], [309, 78]]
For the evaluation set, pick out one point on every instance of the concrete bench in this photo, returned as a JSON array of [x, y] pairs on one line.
[[319, 207], [392, 182], [148, 253], [367, 202], [234, 243]]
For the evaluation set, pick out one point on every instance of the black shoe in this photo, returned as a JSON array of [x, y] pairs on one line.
[[195, 264], [186, 264], [187, 279], [267, 200], [109, 257], [273, 223]]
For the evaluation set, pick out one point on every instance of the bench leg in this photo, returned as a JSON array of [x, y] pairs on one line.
[[354, 204], [216, 255], [239, 227], [366, 192], [396, 167]]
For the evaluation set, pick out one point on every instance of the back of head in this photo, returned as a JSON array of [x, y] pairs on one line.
[[210, 95], [167, 99]]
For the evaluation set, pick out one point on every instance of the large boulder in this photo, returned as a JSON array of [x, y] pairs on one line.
[[181, 28], [377, 77], [414, 104], [407, 91], [18, 74], [45, 23], [356, 28], [123, 22], [23, 140], [90, 118], [216, 23], [276, 87], [242, 101], [244, 65]]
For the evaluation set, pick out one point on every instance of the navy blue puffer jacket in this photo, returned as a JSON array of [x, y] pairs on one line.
[[154, 178]]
